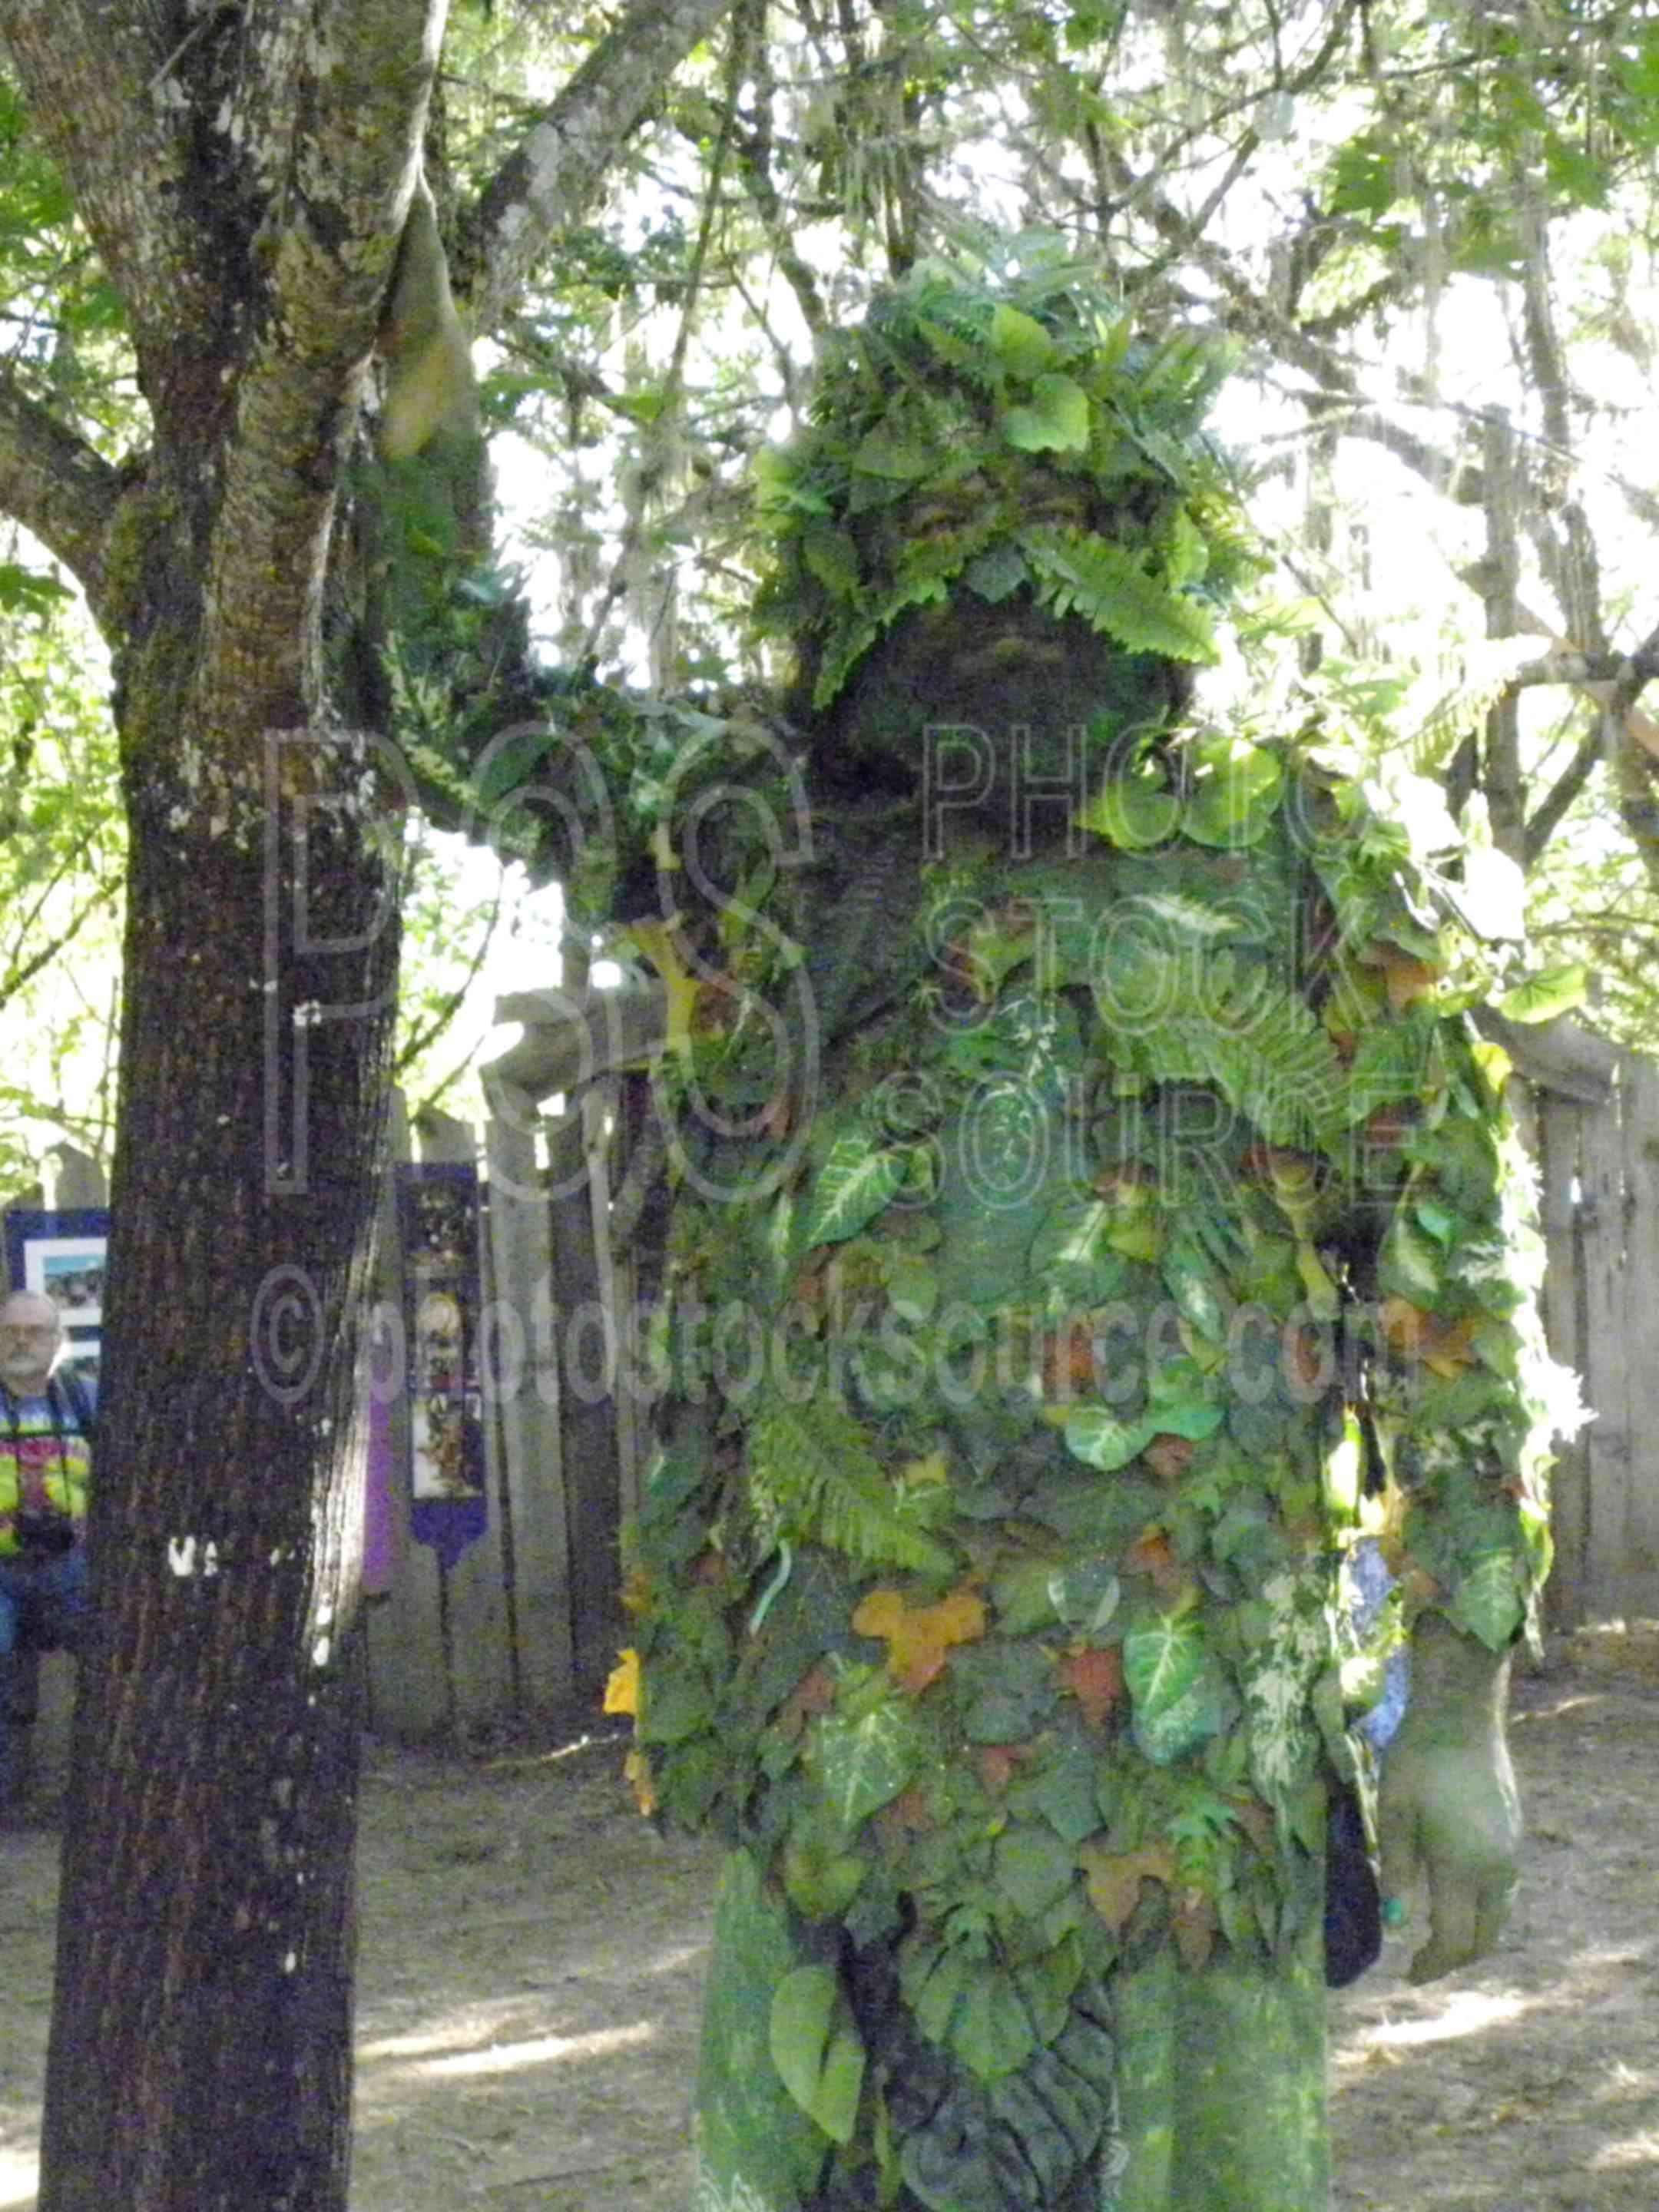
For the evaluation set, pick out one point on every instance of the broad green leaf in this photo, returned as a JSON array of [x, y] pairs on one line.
[[1180, 1695], [750, 2124], [991, 2030], [1066, 1794], [1032, 1867], [855, 1184], [1408, 1266], [933, 1977], [1056, 420], [1022, 1596], [885, 451], [1020, 342], [912, 1287], [1100, 1440], [1085, 1596], [1132, 809], [1195, 1418], [833, 558], [819, 2059], [1488, 1602], [1552, 991], [1188, 1278], [1072, 1256], [513, 760], [1236, 793], [867, 1760], [997, 573]]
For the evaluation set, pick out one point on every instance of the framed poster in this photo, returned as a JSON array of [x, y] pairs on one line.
[[61, 1256]]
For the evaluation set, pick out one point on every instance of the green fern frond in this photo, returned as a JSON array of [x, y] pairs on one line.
[[1108, 586], [1258, 1044], [814, 1477]]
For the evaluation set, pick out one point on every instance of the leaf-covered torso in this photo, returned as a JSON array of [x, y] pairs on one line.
[[1033, 1339]]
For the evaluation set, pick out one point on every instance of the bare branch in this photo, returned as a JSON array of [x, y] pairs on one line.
[[551, 180]]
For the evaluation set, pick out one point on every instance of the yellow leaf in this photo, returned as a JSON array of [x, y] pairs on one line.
[[621, 1692], [918, 1636], [660, 942], [637, 1767], [930, 1469]]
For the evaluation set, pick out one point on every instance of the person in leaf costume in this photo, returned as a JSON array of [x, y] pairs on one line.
[[1094, 1214]]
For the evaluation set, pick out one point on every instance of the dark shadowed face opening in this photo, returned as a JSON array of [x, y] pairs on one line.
[[995, 705]]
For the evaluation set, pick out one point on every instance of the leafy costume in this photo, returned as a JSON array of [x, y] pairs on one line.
[[1089, 1194]]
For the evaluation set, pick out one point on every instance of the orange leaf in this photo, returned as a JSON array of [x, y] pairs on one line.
[[918, 1636], [997, 1763], [1169, 1457], [1150, 1554], [815, 1693], [1113, 1878], [908, 1812], [1406, 978], [1068, 1361], [1094, 1675], [1444, 1345]]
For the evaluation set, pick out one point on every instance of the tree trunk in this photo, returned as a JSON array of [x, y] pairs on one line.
[[201, 2045]]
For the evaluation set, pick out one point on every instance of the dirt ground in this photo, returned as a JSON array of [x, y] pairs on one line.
[[531, 1953]]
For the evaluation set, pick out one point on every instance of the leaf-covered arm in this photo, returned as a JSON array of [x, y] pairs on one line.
[[1466, 1395]]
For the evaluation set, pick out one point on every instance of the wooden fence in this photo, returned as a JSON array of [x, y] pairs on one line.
[[527, 1619], [1595, 1131]]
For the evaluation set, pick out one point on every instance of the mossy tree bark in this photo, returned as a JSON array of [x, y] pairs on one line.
[[244, 176]]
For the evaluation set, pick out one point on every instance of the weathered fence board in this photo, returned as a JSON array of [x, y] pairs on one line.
[[526, 1397]]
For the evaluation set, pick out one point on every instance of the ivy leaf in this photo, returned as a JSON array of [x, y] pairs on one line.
[[991, 2030], [1065, 1794], [1019, 342], [816, 2050], [1033, 1868], [855, 1184], [865, 1760], [1056, 420]]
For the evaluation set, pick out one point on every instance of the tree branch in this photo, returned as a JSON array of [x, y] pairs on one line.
[[56, 485], [551, 180], [98, 74], [353, 171]]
